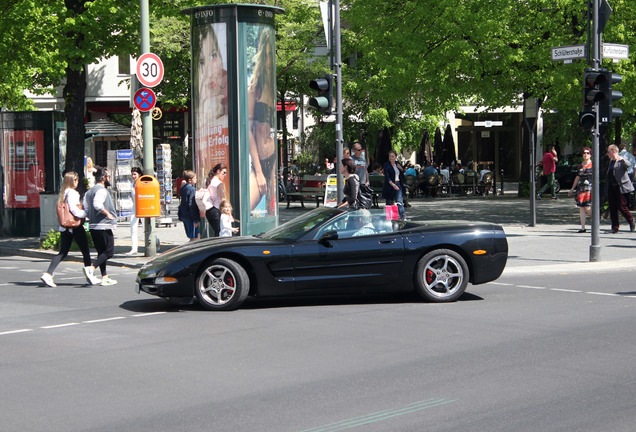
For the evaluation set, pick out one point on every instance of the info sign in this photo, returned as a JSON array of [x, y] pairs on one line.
[[149, 70], [331, 191]]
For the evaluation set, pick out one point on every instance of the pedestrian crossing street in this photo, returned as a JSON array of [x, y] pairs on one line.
[[66, 271]]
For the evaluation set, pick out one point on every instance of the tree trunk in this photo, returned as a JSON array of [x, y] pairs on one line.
[[74, 98]]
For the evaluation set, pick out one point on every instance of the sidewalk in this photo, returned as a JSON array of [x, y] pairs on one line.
[[553, 245]]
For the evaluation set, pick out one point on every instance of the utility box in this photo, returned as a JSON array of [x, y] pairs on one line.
[[48, 213], [147, 197]]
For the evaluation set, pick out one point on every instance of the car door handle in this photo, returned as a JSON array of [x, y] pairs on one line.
[[387, 241]]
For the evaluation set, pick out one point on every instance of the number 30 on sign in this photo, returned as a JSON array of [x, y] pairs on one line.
[[149, 70]]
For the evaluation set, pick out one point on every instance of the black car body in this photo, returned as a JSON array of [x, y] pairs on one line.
[[319, 253]]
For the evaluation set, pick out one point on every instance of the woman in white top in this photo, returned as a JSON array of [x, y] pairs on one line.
[[69, 195], [217, 194]]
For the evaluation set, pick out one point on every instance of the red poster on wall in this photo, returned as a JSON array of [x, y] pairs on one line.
[[24, 168]]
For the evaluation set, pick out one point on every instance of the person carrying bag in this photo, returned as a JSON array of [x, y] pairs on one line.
[[71, 215]]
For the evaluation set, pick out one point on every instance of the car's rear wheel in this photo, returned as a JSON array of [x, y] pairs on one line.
[[222, 284], [442, 276]]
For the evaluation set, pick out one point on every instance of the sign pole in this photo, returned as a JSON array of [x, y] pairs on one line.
[[146, 121], [595, 247], [531, 113]]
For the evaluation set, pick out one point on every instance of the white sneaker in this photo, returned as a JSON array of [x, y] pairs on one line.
[[132, 252], [89, 274], [106, 281], [48, 280]]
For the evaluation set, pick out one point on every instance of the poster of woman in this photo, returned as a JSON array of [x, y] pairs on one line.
[[211, 99], [261, 88]]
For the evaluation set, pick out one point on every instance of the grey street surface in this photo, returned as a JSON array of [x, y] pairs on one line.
[[548, 346], [549, 353]]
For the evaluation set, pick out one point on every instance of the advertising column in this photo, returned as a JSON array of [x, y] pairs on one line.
[[234, 107]]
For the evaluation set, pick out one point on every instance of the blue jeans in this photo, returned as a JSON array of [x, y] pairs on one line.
[[398, 199], [190, 229]]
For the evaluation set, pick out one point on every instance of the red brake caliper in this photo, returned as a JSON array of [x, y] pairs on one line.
[[430, 276]]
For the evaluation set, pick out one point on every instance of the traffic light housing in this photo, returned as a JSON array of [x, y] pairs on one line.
[[592, 80], [323, 100], [607, 111]]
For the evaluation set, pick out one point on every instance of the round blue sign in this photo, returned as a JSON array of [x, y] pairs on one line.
[[145, 99]]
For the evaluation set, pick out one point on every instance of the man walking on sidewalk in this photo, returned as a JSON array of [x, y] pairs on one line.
[[549, 168], [619, 185], [102, 220]]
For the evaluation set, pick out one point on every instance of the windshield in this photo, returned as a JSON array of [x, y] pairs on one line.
[[297, 227]]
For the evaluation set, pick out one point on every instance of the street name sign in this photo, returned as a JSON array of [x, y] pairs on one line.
[[568, 53], [149, 70], [616, 51]]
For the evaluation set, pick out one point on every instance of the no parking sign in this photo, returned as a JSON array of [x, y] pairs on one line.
[[145, 99]]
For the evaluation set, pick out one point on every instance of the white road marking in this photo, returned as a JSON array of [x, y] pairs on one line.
[[9, 268], [148, 314], [502, 283], [15, 331], [60, 325], [103, 320], [570, 290], [603, 294], [95, 321], [565, 290]]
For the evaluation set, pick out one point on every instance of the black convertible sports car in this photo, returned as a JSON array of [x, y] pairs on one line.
[[331, 251]]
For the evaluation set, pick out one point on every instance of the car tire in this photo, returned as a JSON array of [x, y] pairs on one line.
[[221, 285], [441, 276]]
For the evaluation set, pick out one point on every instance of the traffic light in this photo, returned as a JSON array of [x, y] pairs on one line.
[[607, 112], [323, 100], [592, 79]]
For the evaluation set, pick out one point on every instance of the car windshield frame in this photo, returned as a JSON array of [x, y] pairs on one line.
[[301, 225]]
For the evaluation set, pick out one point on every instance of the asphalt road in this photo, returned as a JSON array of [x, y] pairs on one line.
[[526, 353]]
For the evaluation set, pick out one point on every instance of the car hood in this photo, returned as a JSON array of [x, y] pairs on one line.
[[192, 248]]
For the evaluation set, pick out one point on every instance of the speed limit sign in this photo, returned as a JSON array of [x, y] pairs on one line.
[[149, 70]]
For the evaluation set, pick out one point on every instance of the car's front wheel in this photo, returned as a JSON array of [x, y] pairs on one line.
[[441, 276], [222, 285]]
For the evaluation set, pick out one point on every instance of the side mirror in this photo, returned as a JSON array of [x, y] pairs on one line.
[[327, 237]]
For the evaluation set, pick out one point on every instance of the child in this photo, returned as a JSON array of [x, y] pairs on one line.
[[226, 220]]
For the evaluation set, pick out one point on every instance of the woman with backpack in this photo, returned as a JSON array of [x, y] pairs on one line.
[[70, 196]]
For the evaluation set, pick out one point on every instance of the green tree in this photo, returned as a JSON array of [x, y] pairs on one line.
[[51, 43], [431, 56]]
